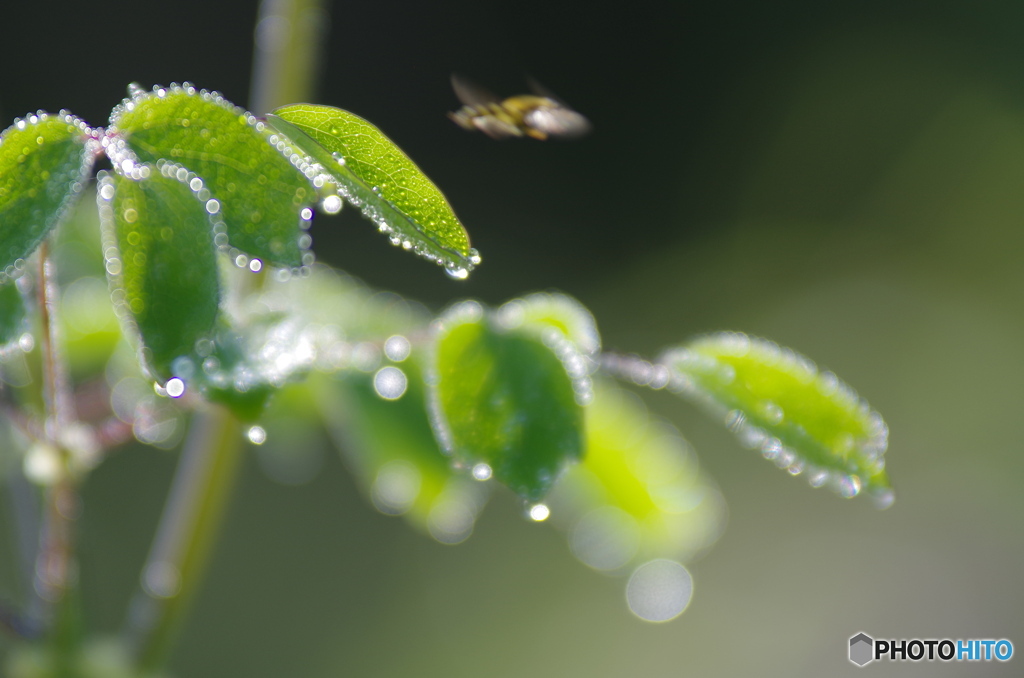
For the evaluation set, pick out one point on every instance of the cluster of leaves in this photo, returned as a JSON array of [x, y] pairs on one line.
[[206, 202]]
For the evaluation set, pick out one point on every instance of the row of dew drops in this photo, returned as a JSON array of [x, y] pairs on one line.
[[665, 374]]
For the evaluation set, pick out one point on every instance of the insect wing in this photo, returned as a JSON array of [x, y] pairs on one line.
[[470, 93], [557, 121], [495, 127]]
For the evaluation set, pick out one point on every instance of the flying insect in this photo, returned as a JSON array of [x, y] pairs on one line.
[[539, 115]]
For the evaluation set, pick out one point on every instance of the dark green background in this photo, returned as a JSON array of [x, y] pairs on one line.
[[844, 178]]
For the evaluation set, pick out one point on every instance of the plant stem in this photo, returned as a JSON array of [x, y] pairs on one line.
[[55, 570], [288, 42], [287, 51], [181, 550]]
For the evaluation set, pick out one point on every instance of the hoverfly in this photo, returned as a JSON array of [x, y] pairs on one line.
[[539, 115]]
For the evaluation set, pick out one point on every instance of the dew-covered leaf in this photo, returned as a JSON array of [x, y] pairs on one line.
[[262, 198], [158, 241], [44, 161], [503, 398], [779, 403], [376, 176], [386, 436], [242, 365], [638, 494], [542, 311]]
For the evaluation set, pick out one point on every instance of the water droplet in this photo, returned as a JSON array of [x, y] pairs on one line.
[[175, 387], [457, 273], [255, 265], [41, 464], [204, 347], [390, 383], [331, 204], [212, 206], [849, 486], [817, 477], [659, 591], [183, 367], [734, 420], [771, 412], [771, 448], [539, 512], [606, 538], [482, 471], [26, 342], [161, 579], [257, 435], [451, 521], [883, 498], [396, 487], [397, 348]]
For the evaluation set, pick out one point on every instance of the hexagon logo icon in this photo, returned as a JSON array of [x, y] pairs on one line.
[[862, 649]]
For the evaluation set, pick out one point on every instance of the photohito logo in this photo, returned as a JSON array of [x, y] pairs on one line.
[[864, 649]]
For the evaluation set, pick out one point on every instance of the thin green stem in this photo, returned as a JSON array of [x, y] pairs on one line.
[[288, 48], [288, 44], [181, 550], [55, 570]]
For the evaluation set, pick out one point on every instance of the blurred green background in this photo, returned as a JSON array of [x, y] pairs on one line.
[[845, 179]]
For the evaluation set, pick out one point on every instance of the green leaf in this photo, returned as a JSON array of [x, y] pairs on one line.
[[373, 174], [12, 316], [807, 422], [502, 398], [44, 161], [88, 325], [340, 305], [391, 446], [160, 254], [262, 198], [542, 312], [241, 366], [639, 493]]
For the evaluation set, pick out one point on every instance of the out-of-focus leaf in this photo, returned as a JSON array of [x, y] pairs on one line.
[[344, 312], [262, 198], [504, 399], [778, 402], [89, 326], [373, 174], [161, 257], [241, 366], [639, 493], [289, 440], [323, 322], [44, 161], [12, 315], [543, 310], [565, 326], [386, 435]]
